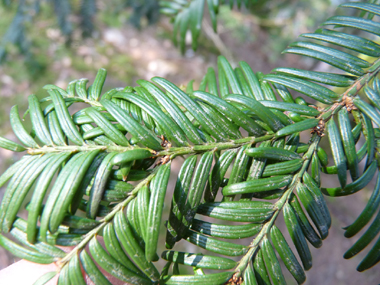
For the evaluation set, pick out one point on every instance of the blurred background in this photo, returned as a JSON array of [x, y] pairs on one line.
[[48, 42]]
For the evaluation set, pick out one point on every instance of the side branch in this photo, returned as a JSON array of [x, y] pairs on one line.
[[279, 206], [103, 222]]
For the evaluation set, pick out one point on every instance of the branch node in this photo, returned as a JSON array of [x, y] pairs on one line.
[[319, 129]]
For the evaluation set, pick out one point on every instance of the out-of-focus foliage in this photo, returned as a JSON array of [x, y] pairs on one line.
[[283, 20], [71, 16]]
